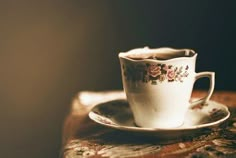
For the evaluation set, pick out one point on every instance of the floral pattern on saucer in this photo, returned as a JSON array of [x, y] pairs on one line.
[[155, 73], [104, 120]]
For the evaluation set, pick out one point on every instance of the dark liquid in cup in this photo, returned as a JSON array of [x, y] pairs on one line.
[[165, 56]]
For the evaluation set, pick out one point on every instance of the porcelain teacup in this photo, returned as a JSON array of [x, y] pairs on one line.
[[158, 84]]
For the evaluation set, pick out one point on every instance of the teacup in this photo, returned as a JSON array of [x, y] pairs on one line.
[[158, 84]]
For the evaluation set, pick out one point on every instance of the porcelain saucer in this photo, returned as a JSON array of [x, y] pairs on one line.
[[117, 114]]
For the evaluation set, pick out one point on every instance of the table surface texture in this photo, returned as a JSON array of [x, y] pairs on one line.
[[82, 137]]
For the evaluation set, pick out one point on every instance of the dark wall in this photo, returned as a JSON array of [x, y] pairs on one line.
[[208, 27], [49, 50]]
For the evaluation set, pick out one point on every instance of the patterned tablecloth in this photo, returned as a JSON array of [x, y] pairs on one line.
[[83, 137]]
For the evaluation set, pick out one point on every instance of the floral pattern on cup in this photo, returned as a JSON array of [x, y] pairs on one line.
[[155, 73]]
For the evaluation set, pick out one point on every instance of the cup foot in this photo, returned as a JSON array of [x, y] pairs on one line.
[[159, 126]]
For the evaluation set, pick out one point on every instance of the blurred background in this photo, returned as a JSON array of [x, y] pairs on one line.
[[50, 50]]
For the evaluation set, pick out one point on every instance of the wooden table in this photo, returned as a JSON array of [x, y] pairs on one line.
[[84, 138]]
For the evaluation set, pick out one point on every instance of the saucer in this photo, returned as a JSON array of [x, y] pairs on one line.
[[117, 114]]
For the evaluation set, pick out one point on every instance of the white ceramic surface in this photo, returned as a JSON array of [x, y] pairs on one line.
[[158, 84], [117, 114]]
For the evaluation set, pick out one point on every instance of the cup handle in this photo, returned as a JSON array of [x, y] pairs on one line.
[[211, 76]]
